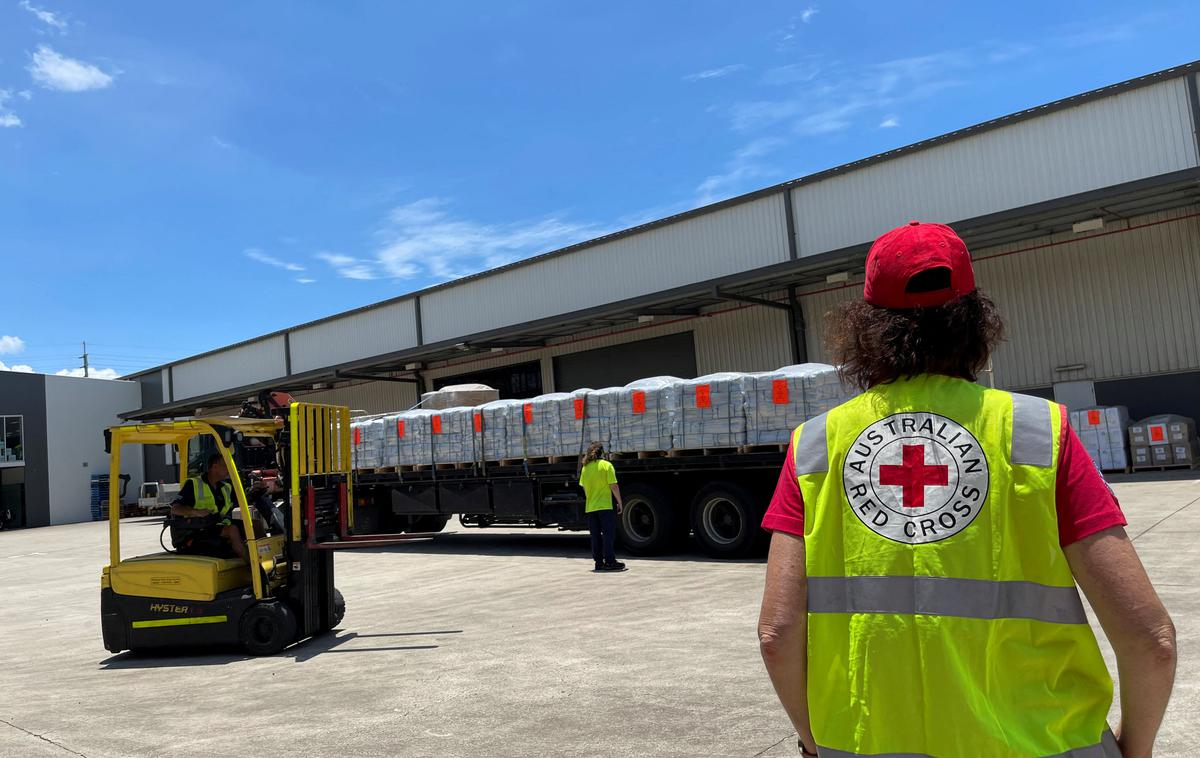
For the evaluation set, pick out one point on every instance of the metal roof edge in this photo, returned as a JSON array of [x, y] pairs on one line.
[[984, 126]]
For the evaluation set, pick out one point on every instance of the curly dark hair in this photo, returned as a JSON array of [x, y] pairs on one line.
[[873, 345]]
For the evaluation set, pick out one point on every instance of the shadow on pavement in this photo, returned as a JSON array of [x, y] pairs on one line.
[[550, 544], [221, 655], [1166, 475]]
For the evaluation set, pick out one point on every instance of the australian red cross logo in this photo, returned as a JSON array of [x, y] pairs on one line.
[[916, 477]]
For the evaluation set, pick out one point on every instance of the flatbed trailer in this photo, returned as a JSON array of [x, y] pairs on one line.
[[719, 497]]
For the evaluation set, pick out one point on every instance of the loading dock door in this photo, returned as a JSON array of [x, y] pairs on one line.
[[672, 355]]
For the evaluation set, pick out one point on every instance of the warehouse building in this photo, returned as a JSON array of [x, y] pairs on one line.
[[52, 443], [1083, 216]]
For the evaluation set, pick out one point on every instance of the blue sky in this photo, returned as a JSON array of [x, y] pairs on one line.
[[175, 178]]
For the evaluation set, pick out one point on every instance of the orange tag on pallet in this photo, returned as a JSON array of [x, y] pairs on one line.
[[578, 408], [703, 396], [639, 401], [528, 409], [357, 436], [779, 392], [478, 419], [1158, 432], [1094, 418], [437, 424], [400, 428]]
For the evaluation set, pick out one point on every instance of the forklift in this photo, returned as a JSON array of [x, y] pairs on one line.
[[284, 591]]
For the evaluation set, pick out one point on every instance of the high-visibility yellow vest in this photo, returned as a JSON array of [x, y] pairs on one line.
[[943, 619], [207, 501]]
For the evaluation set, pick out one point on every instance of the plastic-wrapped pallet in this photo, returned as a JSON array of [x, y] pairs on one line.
[[458, 396], [573, 410], [1103, 434], [645, 413], [389, 454], [779, 401], [501, 436], [414, 437], [600, 416], [367, 443], [453, 435], [712, 412]]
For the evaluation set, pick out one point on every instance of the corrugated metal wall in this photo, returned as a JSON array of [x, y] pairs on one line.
[[372, 397], [1123, 303], [727, 241], [234, 367], [1132, 135], [746, 339], [380, 330]]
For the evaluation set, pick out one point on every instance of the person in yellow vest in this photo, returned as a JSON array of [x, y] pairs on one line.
[[928, 536], [207, 496], [598, 479]]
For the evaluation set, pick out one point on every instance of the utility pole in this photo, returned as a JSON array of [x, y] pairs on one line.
[[85, 359]]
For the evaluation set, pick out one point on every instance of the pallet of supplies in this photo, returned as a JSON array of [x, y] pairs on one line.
[[459, 396], [645, 414], [414, 437], [712, 412], [779, 401], [499, 423], [453, 435], [1103, 432], [1165, 440]]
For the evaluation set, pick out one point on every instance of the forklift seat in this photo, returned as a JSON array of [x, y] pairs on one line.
[[178, 577]]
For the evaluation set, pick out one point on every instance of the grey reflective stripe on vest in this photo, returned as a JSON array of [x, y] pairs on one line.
[[811, 451], [1106, 748], [945, 596], [1032, 435]]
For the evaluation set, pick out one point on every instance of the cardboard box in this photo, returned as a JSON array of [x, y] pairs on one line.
[[1141, 455], [1090, 439], [1106, 460], [1160, 455], [1184, 452], [1180, 431]]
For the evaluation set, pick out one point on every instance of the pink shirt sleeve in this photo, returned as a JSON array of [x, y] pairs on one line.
[[786, 511], [1085, 502]]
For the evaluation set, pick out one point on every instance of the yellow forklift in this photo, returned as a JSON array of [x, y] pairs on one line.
[[284, 591]]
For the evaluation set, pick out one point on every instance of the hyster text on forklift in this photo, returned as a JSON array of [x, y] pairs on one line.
[[285, 592]]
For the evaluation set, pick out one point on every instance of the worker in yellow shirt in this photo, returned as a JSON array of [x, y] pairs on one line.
[[599, 481]]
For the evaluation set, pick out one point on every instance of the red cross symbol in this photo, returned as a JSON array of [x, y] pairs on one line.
[[914, 476]]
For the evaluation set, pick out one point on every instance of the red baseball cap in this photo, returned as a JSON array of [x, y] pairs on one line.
[[912, 249]]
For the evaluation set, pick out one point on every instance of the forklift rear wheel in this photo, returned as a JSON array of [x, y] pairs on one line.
[[267, 628], [339, 608]]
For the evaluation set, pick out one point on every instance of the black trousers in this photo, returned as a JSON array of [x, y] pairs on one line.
[[603, 528]]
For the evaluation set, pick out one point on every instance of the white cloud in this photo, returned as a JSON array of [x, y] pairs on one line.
[[349, 267], [222, 143], [47, 17], [8, 119], [254, 253], [303, 280], [20, 368], [889, 122], [25, 94], [807, 14], [715, 73], [53, 70], [94, 373], [742, 168], [11, 345], [422, 237]]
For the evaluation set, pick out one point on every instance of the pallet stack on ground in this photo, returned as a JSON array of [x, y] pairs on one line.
[[1103, 432], [1164, 441], [99, 497]]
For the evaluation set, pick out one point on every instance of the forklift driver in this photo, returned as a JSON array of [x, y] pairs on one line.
[[215, 535]]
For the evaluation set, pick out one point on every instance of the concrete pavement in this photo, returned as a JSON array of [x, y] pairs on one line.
[[496, 643]]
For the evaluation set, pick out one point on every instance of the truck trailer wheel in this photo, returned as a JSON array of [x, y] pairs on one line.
[[648, 523], [725, 520], [267, 627]]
